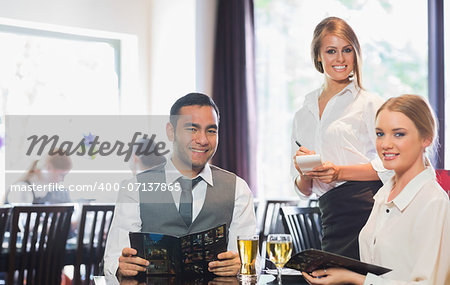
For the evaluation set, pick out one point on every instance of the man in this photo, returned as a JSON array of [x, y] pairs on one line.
[[220, 197]]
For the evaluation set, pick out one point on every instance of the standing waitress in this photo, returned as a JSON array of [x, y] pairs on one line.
[[337, 122]]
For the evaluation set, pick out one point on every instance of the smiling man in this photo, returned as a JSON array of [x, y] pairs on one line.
[[218, 196]]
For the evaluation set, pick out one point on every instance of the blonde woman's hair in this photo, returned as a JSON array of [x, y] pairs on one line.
[[339, 28]]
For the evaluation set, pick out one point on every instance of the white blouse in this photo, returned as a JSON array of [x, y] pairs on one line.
[[345, 135], [410, 234]]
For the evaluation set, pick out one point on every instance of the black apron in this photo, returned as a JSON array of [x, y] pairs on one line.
[[345, 210]]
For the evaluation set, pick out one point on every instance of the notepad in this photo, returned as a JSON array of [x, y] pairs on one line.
[[308, 162]]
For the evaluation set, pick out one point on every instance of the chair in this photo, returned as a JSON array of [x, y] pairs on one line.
[[37, 244], [4, 216], [443, 177], [313, 203], [4, 223], [270, 221], [304, 224], [93, 229]]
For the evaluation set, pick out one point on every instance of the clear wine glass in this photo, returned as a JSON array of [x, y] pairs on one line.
[[279, 249]]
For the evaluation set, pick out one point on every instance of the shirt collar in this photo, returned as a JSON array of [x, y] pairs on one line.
[[172, 173], [351, 89], [408, 193]]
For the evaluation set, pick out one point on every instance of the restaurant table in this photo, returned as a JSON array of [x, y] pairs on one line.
[[175, 280]]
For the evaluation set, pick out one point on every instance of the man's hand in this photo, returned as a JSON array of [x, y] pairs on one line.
[[227, 265], [130, 265]]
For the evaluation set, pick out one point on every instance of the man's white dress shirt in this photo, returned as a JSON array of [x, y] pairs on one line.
[[127, 214], [410, 234]]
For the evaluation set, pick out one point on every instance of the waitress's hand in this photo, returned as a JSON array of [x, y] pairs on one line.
[[327, 173], [301, 151]]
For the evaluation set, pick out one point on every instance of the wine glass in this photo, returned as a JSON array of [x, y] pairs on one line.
[[279, 249]]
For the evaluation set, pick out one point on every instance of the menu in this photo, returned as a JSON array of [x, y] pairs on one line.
[[313, 259], [186, 255]]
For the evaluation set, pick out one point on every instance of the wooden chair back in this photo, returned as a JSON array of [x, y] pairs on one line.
[[37, 243], [93, 229], [4, 217], [304, 224], [270, 221]]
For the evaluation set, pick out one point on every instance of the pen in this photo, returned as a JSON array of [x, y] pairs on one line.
[[299, 144]]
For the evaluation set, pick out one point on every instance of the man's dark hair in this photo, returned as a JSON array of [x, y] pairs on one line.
[[191, 99]]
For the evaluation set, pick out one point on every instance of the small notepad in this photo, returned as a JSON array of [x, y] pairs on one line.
[[308, 162]]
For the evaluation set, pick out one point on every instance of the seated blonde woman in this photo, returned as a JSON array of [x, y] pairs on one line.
[[409, 227]]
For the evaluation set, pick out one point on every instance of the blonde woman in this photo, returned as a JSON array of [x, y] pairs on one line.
[[409, 227], [337, 122]]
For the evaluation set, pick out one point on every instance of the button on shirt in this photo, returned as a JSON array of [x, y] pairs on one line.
[[127, 214], [345, 135], [410, 234]]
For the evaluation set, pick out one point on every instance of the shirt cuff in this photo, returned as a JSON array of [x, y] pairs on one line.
[[111, 266], [372, 279], [302, 196], [384, 174]]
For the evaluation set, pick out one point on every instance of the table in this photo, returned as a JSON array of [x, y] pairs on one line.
[[172, 280]]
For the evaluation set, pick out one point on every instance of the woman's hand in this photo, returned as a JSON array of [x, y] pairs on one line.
[[301, 151], [334, 276], [327, 173]]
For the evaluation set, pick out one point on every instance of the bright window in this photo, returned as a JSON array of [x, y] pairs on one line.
[[53, 73], [393, 36], [46, 73]]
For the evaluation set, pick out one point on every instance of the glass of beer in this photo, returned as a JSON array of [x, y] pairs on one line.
[[248, 250], [279, 249]]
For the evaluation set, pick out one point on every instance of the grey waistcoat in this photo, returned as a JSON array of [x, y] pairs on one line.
[[159, 213]]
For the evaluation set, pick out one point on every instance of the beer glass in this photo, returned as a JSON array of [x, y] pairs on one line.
[[248, 250], [279, 249]]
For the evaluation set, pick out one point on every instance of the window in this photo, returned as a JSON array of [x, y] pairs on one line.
[[394, 47], [52, 73]]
